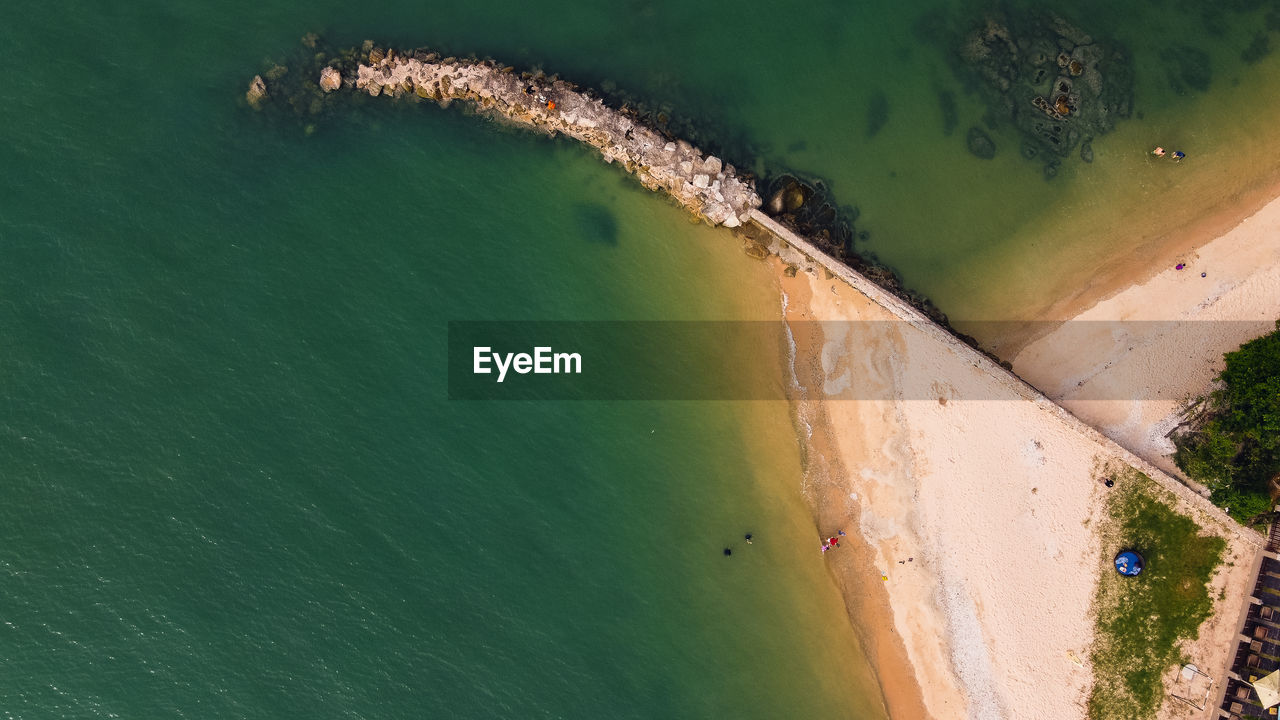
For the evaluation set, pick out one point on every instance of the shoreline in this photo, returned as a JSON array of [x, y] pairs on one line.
[[1128, 364], [1146, 261], [867, 603]]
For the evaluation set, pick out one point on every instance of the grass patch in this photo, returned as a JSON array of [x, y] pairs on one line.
[[1141, 621]]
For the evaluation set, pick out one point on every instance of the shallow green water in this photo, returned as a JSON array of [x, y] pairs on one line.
[[234, 486]]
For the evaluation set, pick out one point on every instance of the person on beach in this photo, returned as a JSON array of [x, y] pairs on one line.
[[1158, 152]]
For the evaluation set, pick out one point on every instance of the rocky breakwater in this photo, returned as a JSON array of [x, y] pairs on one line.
[[708, 187]]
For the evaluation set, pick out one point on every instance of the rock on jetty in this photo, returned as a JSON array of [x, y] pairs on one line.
[[708, 187]]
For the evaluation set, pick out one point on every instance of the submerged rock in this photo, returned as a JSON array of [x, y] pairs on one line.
[[1086, 151], [950, 115], [1258, 49], [1052, 81], [980, 143], [794, 198], [877, 113], [777, 203], [1187, 68]]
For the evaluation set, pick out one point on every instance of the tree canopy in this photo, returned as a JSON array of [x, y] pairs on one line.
[[1236, 451]]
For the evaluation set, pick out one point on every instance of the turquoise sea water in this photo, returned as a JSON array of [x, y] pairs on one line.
[[234, 486]]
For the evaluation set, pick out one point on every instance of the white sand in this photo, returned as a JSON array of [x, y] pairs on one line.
[[995, 493], [1128, 364]]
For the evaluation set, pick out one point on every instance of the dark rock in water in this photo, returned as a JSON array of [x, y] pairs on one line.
[[877, 113], [596, 223], [1086, 151], [931, 27], [864, 235], [950, 115], [793, 198], [776, 203], [1212, 21], [1055, 83], [1187, 68], [1258, 49], [980, 143], [808, 208], [1051, 169]]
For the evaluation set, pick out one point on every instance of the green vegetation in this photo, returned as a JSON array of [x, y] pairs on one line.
[[1141, 620], [1235, 450]]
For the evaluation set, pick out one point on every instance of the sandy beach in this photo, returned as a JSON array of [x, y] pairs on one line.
[[979, 504], [1129, 364]]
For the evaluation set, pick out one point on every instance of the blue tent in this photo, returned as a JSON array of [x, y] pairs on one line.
[[1129, 562]]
